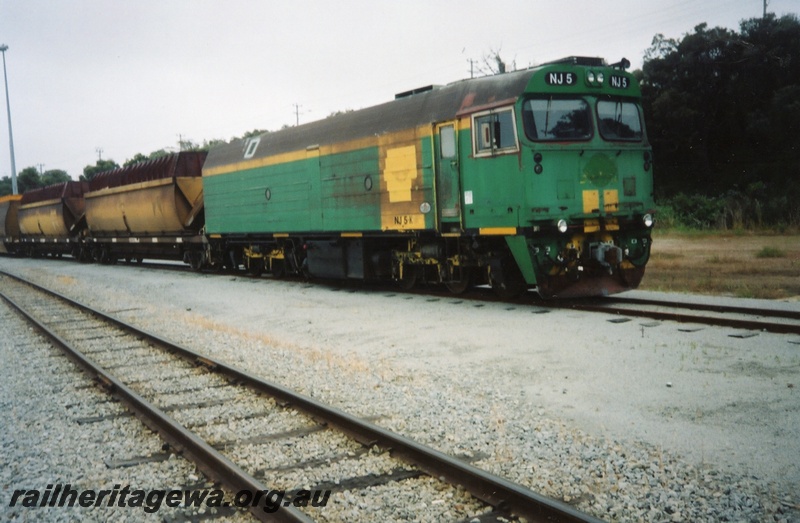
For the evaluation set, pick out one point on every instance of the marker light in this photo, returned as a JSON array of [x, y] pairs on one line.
[[647, 219], [562, 225]]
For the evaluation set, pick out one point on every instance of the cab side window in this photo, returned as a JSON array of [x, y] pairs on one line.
[[494, 132]]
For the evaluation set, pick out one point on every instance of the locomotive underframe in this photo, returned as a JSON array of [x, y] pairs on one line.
[[457, 261]]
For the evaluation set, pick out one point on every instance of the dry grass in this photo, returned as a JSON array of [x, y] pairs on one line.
[[753, 265]]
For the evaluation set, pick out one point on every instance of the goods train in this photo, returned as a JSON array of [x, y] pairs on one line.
[[539, 178]]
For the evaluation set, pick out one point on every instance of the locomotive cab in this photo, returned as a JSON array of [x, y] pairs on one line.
[[588, 179], [564, 172]]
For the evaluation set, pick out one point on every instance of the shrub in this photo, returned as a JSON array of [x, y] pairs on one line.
[[770, 252]]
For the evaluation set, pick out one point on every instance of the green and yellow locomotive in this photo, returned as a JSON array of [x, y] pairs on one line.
[[537, 178]]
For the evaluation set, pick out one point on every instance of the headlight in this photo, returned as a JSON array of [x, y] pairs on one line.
[[590, 77], [647, 219], [562, 225], [600, 77]]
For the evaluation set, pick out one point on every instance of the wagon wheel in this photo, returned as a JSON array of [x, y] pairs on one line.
[[196, 260], [462, 283], [105, 256]]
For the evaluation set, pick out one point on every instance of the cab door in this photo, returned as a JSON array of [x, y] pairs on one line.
[[448, 185]]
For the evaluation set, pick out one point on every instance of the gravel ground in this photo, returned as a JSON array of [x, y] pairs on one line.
[[43, 397], [632, 421]]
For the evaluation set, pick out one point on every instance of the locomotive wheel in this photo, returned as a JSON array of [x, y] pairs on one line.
[[461, 285], [409, 279], [278, 269], [256, 267]]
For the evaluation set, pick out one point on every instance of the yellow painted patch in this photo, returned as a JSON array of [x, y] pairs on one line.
[[591, 201], [591, 225], [495, 231], [352, 234], [611, 200], [612, 224], [401, 179], [400, 172]]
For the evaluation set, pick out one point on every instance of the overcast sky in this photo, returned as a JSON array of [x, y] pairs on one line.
[[130, 76]]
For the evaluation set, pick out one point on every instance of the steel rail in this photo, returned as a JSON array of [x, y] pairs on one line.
[[738, 323], [732, 309], [494, 490], [212, 463]]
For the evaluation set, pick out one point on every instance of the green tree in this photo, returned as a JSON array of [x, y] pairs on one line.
[[723, 112], [100, 166], [254, 132], [137, 158], [28, 178], [55, 176], [5, 186]]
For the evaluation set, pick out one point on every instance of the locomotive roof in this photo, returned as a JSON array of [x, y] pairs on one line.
[[433, 104], [414, 108]]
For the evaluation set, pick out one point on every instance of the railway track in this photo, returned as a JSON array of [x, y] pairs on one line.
[[783, 321], [253, 436]]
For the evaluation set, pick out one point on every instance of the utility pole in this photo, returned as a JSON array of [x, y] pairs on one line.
[[471, 68], [766, 3], [296, 114], [99, 153], [41, 169], [14, 190]]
